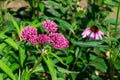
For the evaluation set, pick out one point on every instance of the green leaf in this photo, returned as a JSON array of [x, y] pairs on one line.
[[113, 21], [92, 57], [57, 5], [39, 68], [62, 70], [2, 46], [2, 36], [99, 64], [61, 79], [15, 25], [3, 32], [69, 2], [22, 55], [53, 3], [41, 6], [117, 65], [7, 70], [25, 74], [77, 51], [14, 66], [1, 76], [11, 43], [65, 25], [109, 39], [91, 22], [58, 58], [69, 59], [38, 25], [50, 66], [73, 75], [54, 12], [111, 3], [90, 44], [80, 64]]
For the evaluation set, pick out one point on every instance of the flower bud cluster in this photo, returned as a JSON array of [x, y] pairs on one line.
[[57, 40]]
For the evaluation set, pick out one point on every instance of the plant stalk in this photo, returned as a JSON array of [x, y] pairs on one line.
[[111, 68], [77, 58], [19, 74], [118, 10], [36, 64]]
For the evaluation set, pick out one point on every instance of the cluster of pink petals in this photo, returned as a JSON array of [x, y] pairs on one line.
[[29, 34], [58, 41], [50, 26], [43, 38], [94, 35]]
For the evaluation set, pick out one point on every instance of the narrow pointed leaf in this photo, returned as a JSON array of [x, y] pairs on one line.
[[50, 66], [41, 6], [7, 70], [22, 55], [90, 44], [58, 58], [11, 43], [99, 64], [15, 25], [62, 70], [65, 25]]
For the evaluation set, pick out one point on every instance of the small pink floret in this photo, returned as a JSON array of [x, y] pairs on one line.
[[43, 38], [58, 41], [29, 34], [50, 26]]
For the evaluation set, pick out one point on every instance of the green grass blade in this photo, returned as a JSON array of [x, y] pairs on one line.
[[50, 66], [58, 58], [15, 25], [7, 70], [65, 25], [22, 55], [11, 43]]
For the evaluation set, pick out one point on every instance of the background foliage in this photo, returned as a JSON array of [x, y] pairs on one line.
[[84, 59]]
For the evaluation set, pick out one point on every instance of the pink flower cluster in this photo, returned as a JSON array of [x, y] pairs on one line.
[[57, 40], [50, 26], [29, 34], [43, 38]]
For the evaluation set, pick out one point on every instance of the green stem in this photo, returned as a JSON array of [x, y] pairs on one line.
[[117, 53], [118, 9], [36, 64], [77, 58], [112, 54], [38, 8], [111, 68], [19, 74], [73, 17]]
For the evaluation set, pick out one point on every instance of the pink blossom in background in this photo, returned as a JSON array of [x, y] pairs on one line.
[[93, 32], [58, 41], [29, 34], [50, 26], [43, 38]]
